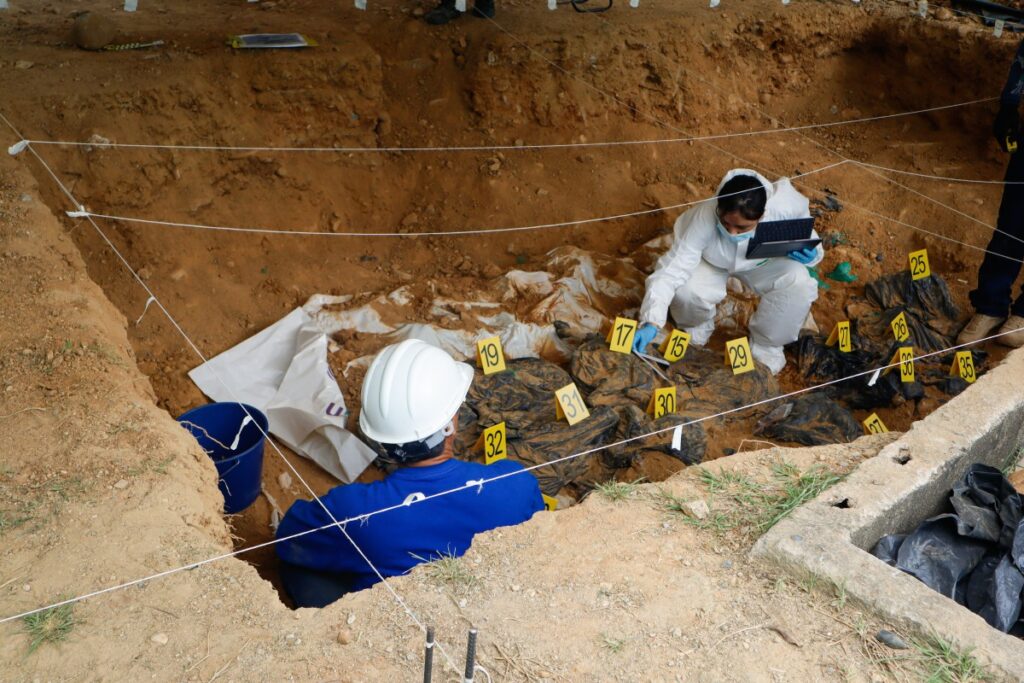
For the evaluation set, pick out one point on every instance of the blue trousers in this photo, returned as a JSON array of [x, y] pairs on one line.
[[313, 588], [994, 295]]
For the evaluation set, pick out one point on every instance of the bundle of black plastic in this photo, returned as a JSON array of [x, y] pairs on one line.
[[974, 553]]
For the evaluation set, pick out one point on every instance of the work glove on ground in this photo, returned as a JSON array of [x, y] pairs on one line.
[[803, 256], [644, 336], [1006, 127]]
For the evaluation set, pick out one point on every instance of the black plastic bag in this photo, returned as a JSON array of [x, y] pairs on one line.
[[987, 505], [973, 556], [937, 555], [888, 547], [810, 420], [1003, 604]]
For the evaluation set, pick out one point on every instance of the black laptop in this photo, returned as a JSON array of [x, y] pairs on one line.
[[778, 238]]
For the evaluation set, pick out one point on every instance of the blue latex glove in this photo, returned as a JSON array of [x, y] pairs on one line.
[[644, 336], [803, 256]]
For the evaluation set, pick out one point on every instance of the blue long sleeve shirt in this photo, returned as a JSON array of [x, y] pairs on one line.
[[1014, 87], [398, 540]]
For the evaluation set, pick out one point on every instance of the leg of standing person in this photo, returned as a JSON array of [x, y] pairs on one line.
[[1013, 329], [1001, 265]]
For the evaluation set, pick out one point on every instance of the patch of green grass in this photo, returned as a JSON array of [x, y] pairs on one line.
[[66, 487], [839, 599], [449, 570], [107, 353], [612, 644], [618, 490], [25, 512], [716, 521], [940, 662], [723, 482], [9, 520], [50, 626], [1012, 461], [796, 489], [753, 506], [158, 466]]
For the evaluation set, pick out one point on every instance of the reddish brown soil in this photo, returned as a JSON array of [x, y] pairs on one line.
[[384, 78]]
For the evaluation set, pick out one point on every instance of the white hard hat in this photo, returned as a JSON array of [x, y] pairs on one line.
[[411, 392]]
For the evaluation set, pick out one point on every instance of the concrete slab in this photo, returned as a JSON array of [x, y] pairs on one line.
[[907, 482]]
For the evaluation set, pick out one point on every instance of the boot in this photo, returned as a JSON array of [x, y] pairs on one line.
[[979, 327], [442, 14], [1014, 332], [700, 334], [771, 357], [484, 8]]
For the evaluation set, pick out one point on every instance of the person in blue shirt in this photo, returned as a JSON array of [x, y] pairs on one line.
[[411, 397], [993, 298]]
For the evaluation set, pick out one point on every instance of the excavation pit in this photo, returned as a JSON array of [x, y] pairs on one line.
[[227, 286], [375, 86]]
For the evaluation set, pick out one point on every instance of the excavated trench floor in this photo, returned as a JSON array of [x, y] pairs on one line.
[[391, 81]]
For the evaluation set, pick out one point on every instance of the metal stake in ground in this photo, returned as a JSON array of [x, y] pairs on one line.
[[470, 656], [428, 656]]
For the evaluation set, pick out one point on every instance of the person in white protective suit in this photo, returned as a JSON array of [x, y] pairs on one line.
[[710, 245]]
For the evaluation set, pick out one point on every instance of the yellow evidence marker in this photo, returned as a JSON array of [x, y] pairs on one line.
[[675, 345], [550, 502], [919, 267], [620, 338], [963, 364], [569, 404], [905, 357], [492, 358], [494, 443], [738, 356], [662, 403], [900, 329], [841, 334], [874, 425]]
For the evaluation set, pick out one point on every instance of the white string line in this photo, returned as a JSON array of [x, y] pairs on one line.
[[773, 119], [820, 145], [479, 484], [267, 436], [475, 484], [887, 179], [730, 154], [502, 148], [452, 233], [127, 265], [929, 176]]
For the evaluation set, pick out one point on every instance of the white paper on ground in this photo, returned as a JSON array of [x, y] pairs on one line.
[[283, 371]]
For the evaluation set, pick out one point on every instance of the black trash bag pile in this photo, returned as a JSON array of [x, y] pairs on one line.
[[933, 322], [524, 398], [616, 388], [625, 383], [707, 386], [931, 314], [809, 420], [973, 554]]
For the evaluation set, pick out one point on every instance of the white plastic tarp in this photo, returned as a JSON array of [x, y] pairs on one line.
[[283, 371]]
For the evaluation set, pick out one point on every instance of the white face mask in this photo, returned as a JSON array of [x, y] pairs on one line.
[[736, 239]]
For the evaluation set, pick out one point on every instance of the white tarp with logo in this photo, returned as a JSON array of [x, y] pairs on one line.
[[283, 371]]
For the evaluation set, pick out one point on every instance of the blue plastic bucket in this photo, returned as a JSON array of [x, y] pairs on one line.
[[219, 426]]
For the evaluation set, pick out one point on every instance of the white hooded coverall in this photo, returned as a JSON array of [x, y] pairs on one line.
[[690, 278]]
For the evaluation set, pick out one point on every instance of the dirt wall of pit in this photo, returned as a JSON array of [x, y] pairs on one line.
[[101, 487]]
